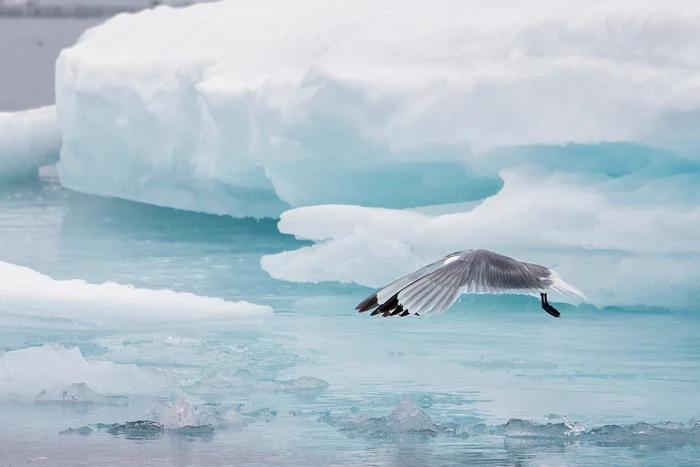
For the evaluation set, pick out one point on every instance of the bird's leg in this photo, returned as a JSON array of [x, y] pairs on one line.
[[547, 307]]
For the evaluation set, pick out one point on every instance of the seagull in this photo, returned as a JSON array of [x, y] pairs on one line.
[[433, 289]]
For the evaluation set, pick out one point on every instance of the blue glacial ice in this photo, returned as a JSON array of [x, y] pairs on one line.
[[250, 113], [29, 140], [566, 138]]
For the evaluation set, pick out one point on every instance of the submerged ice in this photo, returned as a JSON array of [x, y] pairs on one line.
[[244, 382], [53, 373]]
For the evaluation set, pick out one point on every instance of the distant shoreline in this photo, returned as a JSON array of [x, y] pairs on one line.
[[74, 11]]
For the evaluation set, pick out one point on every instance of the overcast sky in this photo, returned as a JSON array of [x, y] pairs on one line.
[[99, 2]]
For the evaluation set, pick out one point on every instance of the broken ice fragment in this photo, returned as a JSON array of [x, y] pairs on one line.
[[79, 392]]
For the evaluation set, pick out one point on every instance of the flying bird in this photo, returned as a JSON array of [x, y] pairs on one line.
[[435, 287]]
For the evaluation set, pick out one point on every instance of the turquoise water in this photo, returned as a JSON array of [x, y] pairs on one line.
[[471, 370]]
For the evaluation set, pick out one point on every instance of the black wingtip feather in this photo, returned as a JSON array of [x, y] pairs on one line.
[[389, 305], [389, 311], [397, 311], [368, 304]]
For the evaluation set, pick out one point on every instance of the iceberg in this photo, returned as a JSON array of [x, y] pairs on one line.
[[250, 108], [116, 305], [391, 132], [29, 140]]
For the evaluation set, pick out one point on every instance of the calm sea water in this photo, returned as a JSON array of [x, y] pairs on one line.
[[486, 361]]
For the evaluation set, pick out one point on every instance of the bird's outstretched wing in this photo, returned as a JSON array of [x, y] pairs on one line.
[[387, 292], [477, 272]]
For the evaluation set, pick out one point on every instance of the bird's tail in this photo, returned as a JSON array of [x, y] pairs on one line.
[[563, 288]]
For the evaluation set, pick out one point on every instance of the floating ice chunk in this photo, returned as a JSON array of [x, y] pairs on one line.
[[26, 373], [305, 387], [638, 433], [405, 418], [408, 417], [263, 105], [595, 231], [147, 429], [179, 414], [140, 429], [79, 392], [575, 428], [29, 140], [111, 304], [526, 429], [83, 430]]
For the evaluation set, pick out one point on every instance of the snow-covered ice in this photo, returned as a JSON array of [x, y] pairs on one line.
[[623, 240], [559, 134], [250, 107], [29, 140], [26, 294]]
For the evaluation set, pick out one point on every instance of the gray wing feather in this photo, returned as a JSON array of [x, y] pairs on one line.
[[387, 292], [489, 272], [437, 291]]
